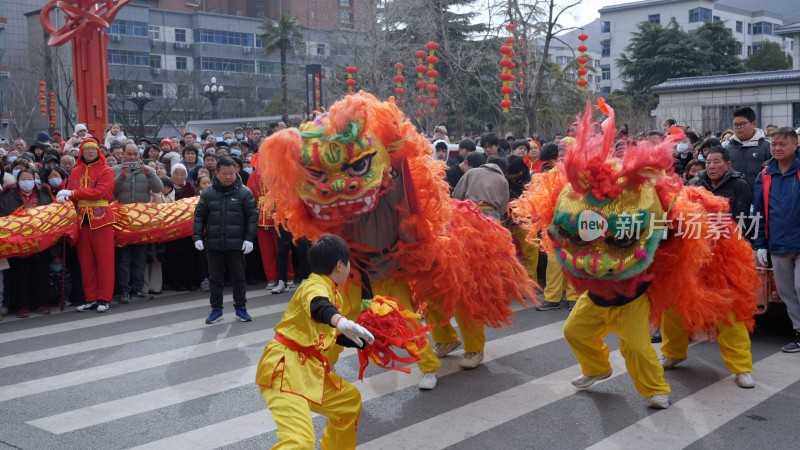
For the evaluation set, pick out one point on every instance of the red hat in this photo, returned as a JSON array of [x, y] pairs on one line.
[[165, 141], [89, 141]]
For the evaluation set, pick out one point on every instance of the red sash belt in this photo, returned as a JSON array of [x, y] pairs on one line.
[[309, 352]]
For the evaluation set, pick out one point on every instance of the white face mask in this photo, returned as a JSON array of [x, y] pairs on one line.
[[26, 185], [726, 144], [683, 148]]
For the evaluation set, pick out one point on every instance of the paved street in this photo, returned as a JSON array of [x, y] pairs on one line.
[[152, 375]]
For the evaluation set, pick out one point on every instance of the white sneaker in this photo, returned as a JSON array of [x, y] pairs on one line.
[[103, 307], [444, 349], [271, 284], [668, 363], [279, 288], [745, 380], [87, 307], [659, 401], [290, 284], [471, 360], [584, 381], [427, 381]]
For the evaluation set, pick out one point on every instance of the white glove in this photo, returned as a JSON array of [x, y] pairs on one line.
[[354, 331], [199, 245], [247, 247], [63, 195], [762, 255]]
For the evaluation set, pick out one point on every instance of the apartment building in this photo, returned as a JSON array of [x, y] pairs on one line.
[[752, 26]]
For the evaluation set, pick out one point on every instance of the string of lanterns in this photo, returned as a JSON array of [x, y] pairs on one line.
[[582, 60], [421, 83], [432, 75], [351, 81], [508, 66], [399, 91]]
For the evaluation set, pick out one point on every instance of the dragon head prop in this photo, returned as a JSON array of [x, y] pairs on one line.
[[603, 223]]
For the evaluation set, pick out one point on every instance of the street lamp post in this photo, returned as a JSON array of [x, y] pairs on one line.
[[140, 99], [214, 93]]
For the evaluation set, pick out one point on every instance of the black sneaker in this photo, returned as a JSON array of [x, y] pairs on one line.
[[794, 346], [141, 296], [547, 306]]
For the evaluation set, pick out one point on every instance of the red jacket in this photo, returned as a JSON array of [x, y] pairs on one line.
[[92, 187]]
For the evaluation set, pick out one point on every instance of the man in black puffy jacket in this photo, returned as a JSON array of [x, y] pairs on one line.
[[226, 218], [749, 148]]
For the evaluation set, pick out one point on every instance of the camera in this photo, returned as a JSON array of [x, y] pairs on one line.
[[133, 165]]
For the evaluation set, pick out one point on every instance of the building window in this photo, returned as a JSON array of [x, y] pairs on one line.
[[738, 26], [312, 15], [156, 90], [181, 63], [224, 37], [227, 65], [757, 47], [606, 74], [128, 28], [128, 58], [155, 32], [749, 50], [344, 17], [749, 28], [605, 49], [699, 15], [605, 27], [180, 35], [320, 50], [796, 115], [344, 3], [155, 61], [654, 18], [762, 28], [717, 19]]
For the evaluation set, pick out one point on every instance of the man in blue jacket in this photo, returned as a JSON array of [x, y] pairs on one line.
[[226, 218], [777, 199]]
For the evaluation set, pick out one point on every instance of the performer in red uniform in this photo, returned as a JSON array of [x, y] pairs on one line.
[[267, 235], [91, 187]]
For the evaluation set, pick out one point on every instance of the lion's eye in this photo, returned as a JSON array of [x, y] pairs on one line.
[[318, 174], [360, 167]]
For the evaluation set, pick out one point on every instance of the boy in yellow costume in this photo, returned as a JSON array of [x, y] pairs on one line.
[[294, 375]]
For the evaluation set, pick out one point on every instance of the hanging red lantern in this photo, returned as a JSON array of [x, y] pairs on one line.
[[432, 73], [583, 36], [351, 70], [399, 67], [507, 76], [399, 78], [509, 40], [421, 69], [506, 90], [583, 71], [432, 60], [432, 88], [421, 54], [41, 97], [433, 103], [399, 91], [506, 50], [506, 104], [511, 27], [582, 83], [422, 84], [350, 82], [44, 111], [583, 60], [432, 46], [583, 48]]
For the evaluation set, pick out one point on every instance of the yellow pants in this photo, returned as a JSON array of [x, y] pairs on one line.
[[589, 324], [428, 361], [292, 416], [734, 342], [471, 332], [557, 282], [530, 253]]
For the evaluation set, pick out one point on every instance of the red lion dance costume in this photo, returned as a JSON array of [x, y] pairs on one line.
[[363, 172], [629, 279]]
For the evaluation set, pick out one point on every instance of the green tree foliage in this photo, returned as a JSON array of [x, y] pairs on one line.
[[656, 53], [768, 58], [283, 36], [719, 48]]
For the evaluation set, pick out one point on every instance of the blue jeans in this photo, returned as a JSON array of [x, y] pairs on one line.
[[131, 263]]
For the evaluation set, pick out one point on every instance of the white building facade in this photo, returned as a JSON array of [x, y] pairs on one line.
[[752, 28]]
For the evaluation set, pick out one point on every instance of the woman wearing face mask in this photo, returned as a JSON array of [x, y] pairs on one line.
[[56, 178], [683, 152], [29, 275]]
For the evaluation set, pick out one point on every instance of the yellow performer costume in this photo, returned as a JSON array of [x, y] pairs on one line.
[[296, 379], [620, 228], [363, 172]]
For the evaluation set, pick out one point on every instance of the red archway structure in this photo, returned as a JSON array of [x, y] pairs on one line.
[[86, 21]]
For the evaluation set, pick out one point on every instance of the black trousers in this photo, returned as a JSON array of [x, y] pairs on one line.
[[285, 247], [30, 280], [218, 261]]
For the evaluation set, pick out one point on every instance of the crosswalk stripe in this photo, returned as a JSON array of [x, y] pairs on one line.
[[699, 414], [385, 383], [127, 366], [98, 320], [438, 432], [124, 338]]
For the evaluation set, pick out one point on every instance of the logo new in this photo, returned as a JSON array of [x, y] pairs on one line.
[[591, 225]]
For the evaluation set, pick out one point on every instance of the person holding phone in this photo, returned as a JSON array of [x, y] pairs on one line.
[[133, 183]]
